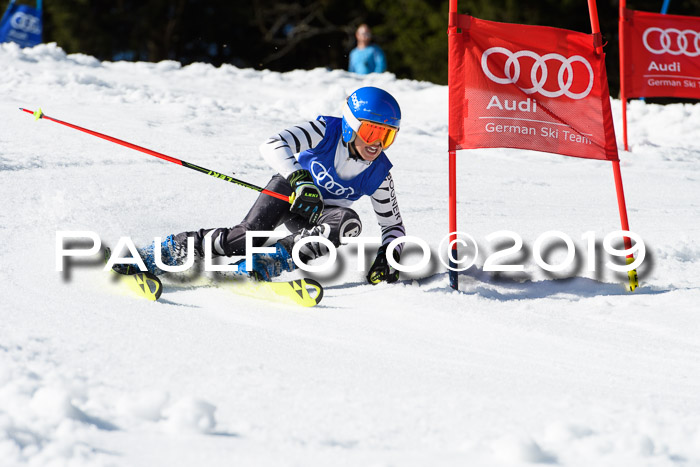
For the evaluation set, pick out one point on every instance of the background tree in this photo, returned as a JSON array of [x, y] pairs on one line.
[[281, 35]]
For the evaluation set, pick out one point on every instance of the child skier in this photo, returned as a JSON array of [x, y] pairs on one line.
[[324, 165]]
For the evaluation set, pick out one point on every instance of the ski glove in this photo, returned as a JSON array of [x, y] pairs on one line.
[[381, 270], [306, 199]]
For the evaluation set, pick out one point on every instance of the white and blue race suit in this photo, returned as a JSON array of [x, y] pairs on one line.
[[320, 162], [318, 147]]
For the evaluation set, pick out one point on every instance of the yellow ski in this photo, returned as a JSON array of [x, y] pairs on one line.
[[142, 284], [304, 292]]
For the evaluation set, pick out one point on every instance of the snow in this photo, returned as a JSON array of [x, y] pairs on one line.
[[514, 369]]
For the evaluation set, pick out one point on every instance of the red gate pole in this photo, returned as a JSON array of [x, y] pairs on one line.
[[623, 94], [452, 35], [633, 284]]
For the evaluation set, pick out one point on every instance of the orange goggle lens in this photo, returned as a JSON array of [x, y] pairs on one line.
[[371, 132]]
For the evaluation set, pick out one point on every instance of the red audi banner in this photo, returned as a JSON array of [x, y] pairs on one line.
[[529, 87], [661, 55]]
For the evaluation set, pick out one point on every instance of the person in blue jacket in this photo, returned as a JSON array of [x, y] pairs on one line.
[[366, 57], [325, 166]]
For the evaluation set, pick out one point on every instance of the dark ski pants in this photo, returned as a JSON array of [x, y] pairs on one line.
[[268, 213]]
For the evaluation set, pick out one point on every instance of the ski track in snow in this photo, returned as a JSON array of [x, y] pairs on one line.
[[522, 369]]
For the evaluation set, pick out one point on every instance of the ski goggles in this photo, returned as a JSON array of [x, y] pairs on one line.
[[371, 132]]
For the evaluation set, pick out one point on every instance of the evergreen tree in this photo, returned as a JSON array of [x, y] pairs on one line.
[[282, 35]]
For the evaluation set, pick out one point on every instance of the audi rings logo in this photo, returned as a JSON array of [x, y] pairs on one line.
[[325, 180], [26, 23], [565, 76], [687, 41]]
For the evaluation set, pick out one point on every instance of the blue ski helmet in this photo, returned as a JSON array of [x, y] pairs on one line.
[[371, 104]]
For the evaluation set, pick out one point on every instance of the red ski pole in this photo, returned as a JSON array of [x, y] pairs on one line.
[[39, 114]]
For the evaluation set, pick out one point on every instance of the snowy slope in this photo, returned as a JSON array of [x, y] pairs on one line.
[[510, 370]]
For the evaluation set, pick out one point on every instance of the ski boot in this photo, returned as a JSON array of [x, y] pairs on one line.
[[172, 252], [266, 266]]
